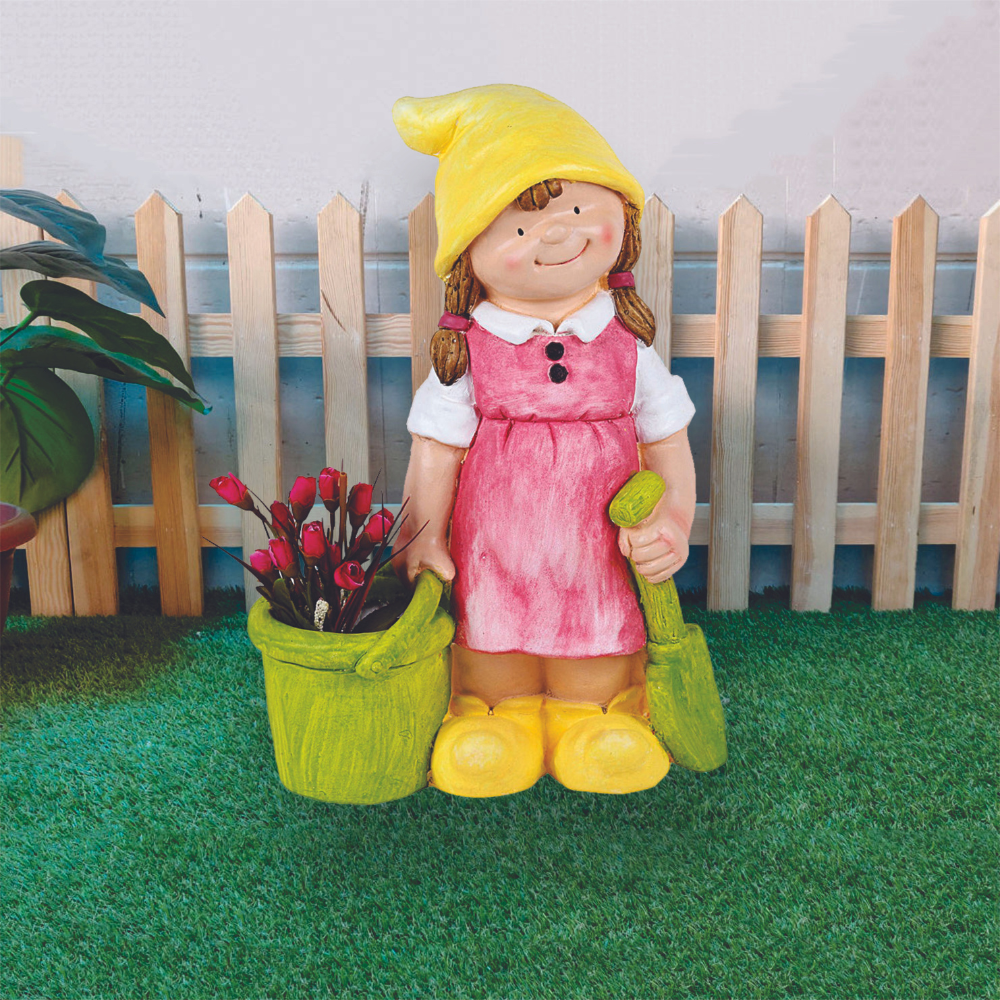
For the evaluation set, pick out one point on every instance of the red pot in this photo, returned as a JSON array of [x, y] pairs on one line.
[[17, 526]]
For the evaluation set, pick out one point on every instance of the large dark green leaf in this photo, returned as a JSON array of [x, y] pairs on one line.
[[122, 333], [60, 261], [71, 225], [50, 347], [46, 440]]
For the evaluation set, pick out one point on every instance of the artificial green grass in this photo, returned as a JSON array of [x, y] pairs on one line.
[[848, 849]]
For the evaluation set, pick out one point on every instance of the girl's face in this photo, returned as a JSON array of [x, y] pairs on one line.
[[554, 252]]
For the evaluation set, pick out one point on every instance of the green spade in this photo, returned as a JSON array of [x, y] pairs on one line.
[[684, 704]]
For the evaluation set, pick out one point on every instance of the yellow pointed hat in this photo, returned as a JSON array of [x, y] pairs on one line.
[[494, 142]]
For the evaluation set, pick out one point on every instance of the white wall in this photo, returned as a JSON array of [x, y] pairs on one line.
[[783, 101], [786, 102]]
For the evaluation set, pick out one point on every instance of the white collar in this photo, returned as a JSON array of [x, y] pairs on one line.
[[585, 323]]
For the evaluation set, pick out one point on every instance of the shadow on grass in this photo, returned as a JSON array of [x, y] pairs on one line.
[[219, 601], [45, 657]]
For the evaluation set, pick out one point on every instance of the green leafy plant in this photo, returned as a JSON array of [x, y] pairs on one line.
[[46, 438]]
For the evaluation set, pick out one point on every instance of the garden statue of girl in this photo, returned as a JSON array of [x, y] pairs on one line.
[[545, 396]]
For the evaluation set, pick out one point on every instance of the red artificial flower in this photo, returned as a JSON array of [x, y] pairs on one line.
[[378, 526], [232, 491], [388, 515], [349, 575], [283, 555], [314, 544], [329, 488], [282, 523], [262, 562], [359, 503], [302, 496]]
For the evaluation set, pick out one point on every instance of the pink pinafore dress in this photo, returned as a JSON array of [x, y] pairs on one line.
[[538, 569]]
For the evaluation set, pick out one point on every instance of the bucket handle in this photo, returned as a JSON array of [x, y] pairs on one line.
[[391, 646]]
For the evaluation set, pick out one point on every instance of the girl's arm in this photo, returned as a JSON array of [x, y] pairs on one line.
[[659, 545], [431, 479]]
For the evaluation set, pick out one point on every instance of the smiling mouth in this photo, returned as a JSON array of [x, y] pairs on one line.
[[559, 263]]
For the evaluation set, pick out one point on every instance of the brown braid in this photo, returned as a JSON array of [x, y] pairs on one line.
[[632, 311], [463, 292]]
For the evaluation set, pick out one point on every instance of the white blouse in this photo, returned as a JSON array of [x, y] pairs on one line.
[[447, 413]]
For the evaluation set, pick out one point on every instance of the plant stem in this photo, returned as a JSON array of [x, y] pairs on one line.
[[27, 321]]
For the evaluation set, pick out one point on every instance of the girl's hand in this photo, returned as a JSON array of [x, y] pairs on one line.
[[658, 546], [423, 555]]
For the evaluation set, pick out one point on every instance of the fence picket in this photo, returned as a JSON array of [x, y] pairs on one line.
[[90, 523], [255, 364], [733, 405], [49, 581], [654, 274], [426, 288], [978, 546], [904, 404], [345, 352], [159, 234], [821, 376]]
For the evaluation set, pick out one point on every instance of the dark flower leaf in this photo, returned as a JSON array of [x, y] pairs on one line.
[[382, 618], [260, 576], [283, 598]]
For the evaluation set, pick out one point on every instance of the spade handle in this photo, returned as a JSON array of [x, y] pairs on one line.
[[661, 607]]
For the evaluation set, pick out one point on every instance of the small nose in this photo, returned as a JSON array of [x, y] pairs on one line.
[[555, 234]]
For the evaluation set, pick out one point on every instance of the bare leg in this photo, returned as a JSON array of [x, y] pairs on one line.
[[595, 679], [639, 661], [495, 676]]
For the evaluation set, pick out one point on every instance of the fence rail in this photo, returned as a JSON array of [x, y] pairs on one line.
[[71, 562]]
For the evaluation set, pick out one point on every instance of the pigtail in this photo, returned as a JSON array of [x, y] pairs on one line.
[[631, 310], [449, 350]]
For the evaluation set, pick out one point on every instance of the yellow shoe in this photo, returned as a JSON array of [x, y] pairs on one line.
[[479, 754], [614, 752]]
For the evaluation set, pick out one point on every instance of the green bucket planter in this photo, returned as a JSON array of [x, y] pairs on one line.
[[353, 716]]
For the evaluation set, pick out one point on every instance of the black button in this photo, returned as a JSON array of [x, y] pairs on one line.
[[554, 351], [557, 373]]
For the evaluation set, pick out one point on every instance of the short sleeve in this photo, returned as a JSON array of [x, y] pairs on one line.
[[446, 413], [662, 405]]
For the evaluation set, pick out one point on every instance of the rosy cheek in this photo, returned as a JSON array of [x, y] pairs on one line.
[[607, 234], [512, 263]]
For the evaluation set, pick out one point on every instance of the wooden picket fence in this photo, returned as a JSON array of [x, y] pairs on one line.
[[71, 564]]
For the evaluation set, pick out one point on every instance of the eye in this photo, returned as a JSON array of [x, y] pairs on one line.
[[520, 232], [576, 208]]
